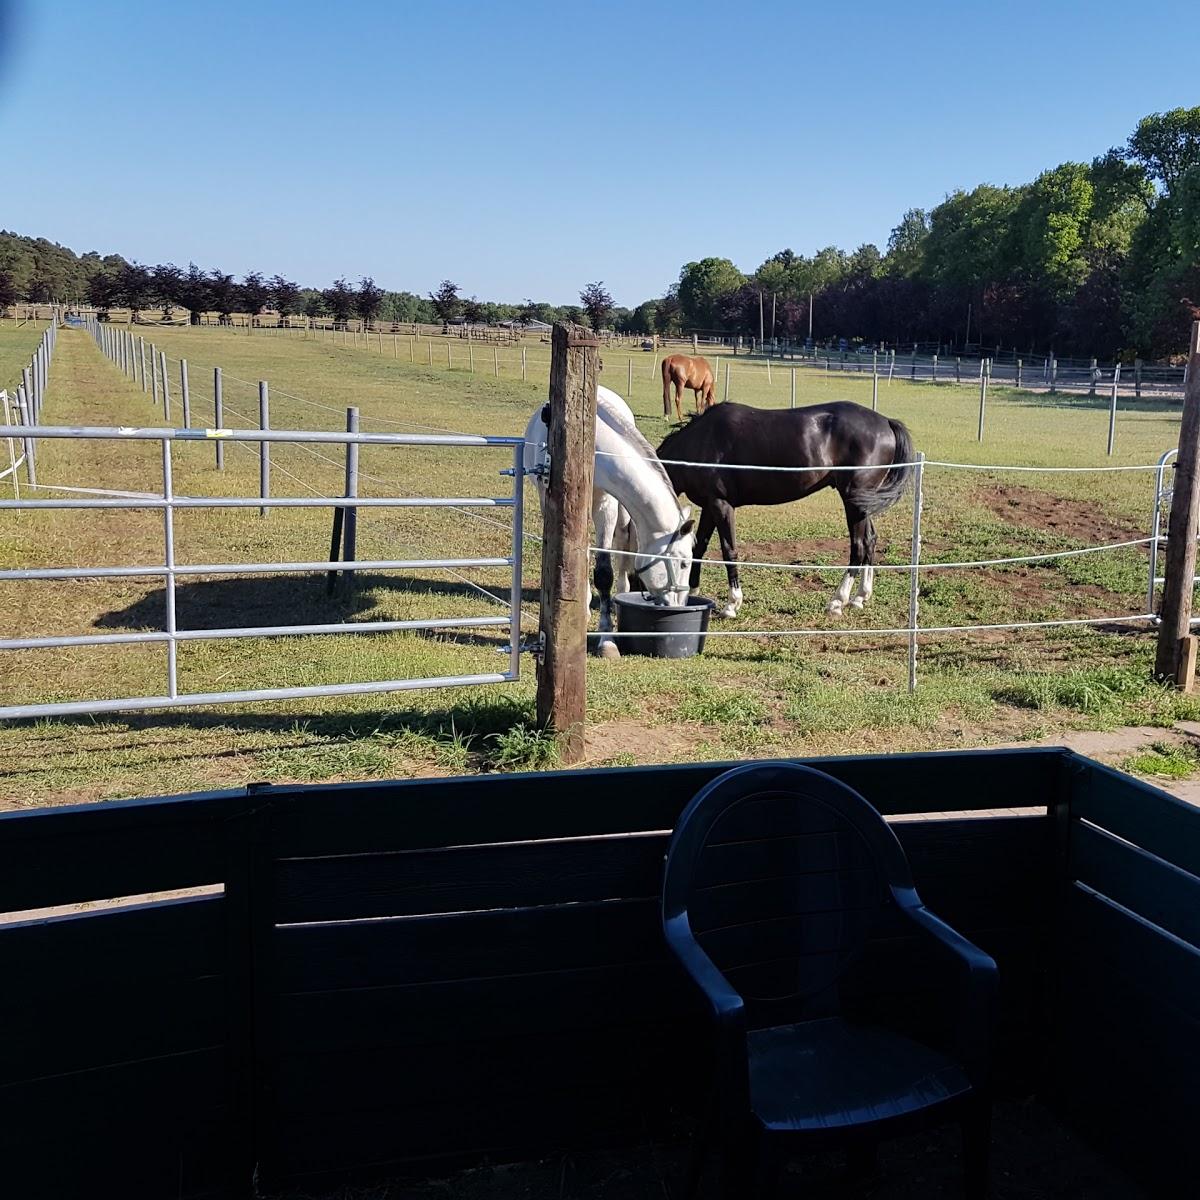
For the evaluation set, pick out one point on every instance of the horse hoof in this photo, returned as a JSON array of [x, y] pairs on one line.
[[834, 608], [609, 650], [857, 602], [729, 610]]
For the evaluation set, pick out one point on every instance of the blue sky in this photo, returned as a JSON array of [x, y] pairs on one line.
[[527, 149]]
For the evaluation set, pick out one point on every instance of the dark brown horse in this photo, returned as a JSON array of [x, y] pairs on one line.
[[682, 371], [821, 436]]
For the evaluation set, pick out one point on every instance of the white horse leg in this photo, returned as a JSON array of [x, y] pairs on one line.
[[866, 585], [624, 550], [605, 515], [842, 595]]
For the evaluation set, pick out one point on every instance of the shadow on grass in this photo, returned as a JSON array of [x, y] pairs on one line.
[[243, 602]]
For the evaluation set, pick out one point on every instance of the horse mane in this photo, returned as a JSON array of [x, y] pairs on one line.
[[637, 439]]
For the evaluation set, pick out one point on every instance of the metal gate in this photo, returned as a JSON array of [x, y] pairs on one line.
[[169, 570], [1158, 521]]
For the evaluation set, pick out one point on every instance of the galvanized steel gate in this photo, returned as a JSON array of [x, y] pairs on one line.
[[168, 502]]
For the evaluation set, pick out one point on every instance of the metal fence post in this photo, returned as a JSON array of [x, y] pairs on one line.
[[1018, 372], [874, 380], [793, 387], [934, 368], [183, 394], [30, 453], [154, 372], [914, 591], [983, 382], [264, 448], [169, 562], [218, 416], [166, 391], [728, 370], [142, 356], [523, 374], [27, 386], [352, 448], [1112, 409]]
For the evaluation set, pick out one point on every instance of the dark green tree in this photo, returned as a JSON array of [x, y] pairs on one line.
[[283, 296], [597, 303], [368, 300], [339, 300], [167, 288], [446, 302]]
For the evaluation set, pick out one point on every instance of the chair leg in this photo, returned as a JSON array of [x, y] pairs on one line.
[[977, 1145], [700, 1142]]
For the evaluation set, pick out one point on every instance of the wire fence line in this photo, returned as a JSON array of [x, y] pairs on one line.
[[255, 437]]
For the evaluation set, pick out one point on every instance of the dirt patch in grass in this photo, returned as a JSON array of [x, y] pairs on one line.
[[626, 741], [1033, 508]]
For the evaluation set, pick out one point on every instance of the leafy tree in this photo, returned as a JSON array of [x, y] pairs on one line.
[[472, 311], [223, 294], [535, 310], [597, 303], [1167, 144], [135, 288], [255, 292], [284, 296], [167, 287], [103, 291], [339, 300], [668, 313], [8, 291], [314, 303], [407, 306], [701, 287], [195, 293], [368, 300], [642, 319], [1050, 227], [446, 302], [906, 245]]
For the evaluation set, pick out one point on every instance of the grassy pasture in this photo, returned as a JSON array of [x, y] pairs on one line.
[[821, 693]]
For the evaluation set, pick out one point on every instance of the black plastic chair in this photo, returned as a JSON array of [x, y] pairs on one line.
[[776, 877]]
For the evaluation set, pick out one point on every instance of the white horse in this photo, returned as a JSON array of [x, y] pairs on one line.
[[634, 508]]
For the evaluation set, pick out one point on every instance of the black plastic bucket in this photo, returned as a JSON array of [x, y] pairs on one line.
[[679, 630]]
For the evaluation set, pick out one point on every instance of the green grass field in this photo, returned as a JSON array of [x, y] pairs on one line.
[[820, 693]]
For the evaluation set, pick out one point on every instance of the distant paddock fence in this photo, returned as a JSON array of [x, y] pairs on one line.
[[25, 409]]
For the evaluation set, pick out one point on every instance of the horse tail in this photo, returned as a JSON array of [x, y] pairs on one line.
[[666, 374], [895, 482]]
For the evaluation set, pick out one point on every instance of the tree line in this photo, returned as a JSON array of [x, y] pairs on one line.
[[1099, 258], [38, 271], [1095, 258]]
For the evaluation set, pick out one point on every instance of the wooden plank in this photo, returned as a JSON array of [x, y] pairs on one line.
[[1163, 894], [1139, 813], [462, 879], [51, 1031], [97, 852], [143, 943], [1169, 969], [422, 814], [428, 949], [515, 1006], [518, 1070], [148, 1129]]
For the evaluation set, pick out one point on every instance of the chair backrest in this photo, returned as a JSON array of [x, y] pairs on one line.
[[781, 872]]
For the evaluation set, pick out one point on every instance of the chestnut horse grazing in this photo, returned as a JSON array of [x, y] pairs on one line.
[[683, 371]]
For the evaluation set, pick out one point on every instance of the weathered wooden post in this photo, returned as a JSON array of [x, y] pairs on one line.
[[184, 394], [1137, 378], [566, 594], [1176, 655], [1112, 409], [1018, 384]]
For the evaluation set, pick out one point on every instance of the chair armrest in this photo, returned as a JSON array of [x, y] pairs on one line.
[[978, 980], [726, 1007]]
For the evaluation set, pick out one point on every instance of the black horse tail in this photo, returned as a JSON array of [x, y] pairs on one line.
[[895, 482]]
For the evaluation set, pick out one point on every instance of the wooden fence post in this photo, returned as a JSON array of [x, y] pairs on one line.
[[566, 594], [1175, 658]]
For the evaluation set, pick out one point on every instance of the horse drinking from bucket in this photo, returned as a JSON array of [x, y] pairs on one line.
[[634, 508], [772, 456], [682, 371]]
